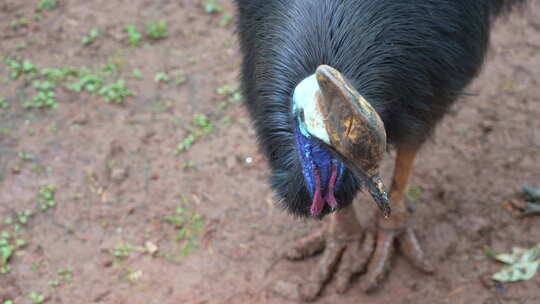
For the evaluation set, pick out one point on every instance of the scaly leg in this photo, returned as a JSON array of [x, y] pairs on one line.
[[396, 227]]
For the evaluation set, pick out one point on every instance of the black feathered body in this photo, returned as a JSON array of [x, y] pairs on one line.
[[410, 59]]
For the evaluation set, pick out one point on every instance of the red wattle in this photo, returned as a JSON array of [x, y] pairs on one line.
[[318, 202], [329, 198]]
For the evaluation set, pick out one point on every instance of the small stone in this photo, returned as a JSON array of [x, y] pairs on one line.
[[107, 263], [151, 247], [81, 119], [119, 174]]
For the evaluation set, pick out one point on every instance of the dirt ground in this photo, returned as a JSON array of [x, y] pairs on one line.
[[122, 214]]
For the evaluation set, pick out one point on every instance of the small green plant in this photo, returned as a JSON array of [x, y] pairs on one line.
[[45, 198], [122, 251], [137, 74], [115, 92], [157, 30], [38, 16], [233, 95], [189, 234], [225, 90], [21, 46], [202, 127], [24, 216], [8, 302], [189, 224], [202, 121], [47, 4], [188, 165], [5, 269], [90, 37], [57, 75], [6, 250], [179, 78], [212, 6], [112, 66], [20, 22], [225, 19], [185, 144], [162, 77], [134, 37], [37, 298], [90, 83], [8, 246], [65, 274], [45, 98], [3, 104], [19, 68], [25, 156], [413, 194], [44, 85]]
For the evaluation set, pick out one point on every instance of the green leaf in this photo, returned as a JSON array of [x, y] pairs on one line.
[[531, 194], [173, 219], [6, 252], [517, 272], [523, 264]]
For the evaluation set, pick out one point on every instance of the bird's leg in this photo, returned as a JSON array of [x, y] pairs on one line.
[[396, 228], [346, 252]]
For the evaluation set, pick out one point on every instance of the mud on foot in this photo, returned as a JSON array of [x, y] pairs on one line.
[[380, 263], [348, 252]]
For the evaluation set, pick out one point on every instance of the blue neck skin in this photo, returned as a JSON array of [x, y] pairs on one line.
[[316, 159]]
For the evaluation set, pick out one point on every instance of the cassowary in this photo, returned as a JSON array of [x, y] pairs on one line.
[[328, 83]]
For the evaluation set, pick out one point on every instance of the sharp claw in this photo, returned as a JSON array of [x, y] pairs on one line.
[[410, 247], [380, 261]]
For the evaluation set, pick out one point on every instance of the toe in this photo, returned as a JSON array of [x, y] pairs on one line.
[[306, 247], [411, 249], [288, 290], [354, 261], [324, 271], [380, 261]]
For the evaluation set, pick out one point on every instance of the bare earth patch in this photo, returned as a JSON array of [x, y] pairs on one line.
[[153, 191]]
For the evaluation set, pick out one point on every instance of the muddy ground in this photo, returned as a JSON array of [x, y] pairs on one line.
[[162, 197]]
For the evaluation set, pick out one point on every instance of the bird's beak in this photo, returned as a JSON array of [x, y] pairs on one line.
[[355, 130]]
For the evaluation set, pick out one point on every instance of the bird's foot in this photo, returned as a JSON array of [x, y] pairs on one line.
[[346, 252], [407, 244]]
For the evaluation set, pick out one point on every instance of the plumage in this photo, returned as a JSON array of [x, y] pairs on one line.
[[410, 59]]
